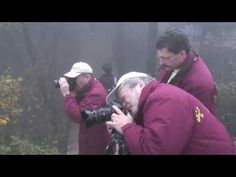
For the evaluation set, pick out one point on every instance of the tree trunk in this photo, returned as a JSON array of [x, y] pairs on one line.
[[29, 44], [152, 58], [118, 47]]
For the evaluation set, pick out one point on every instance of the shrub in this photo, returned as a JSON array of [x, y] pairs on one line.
[[18, 146]]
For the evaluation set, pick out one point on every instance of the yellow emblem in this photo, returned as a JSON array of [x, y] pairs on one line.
[[199, 116]]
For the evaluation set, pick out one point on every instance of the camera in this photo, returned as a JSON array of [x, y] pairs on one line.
[[100, 115], [117, 138], [71, 82]]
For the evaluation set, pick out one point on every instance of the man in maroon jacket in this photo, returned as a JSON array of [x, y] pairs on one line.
[[185, 69], [88, 93], [164, 119]]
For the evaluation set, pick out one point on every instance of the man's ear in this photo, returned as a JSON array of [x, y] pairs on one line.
[[88, 76], [141, 84], [183, 53]]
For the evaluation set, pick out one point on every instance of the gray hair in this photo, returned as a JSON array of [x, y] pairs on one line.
[[132, 82]]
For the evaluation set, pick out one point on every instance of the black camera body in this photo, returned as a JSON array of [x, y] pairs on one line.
[[71, 82], [100, 115]]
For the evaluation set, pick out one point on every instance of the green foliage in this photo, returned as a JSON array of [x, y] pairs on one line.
[[11, 139], [18, 146], [4, 149], [44, 115], [10, 94], [227, 98]]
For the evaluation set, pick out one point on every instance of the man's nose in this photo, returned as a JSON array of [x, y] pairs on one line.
[[161, 62], [124, 105]]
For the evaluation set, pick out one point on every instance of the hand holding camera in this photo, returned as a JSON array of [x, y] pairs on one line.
[[119, 119], [64, 86], [100, 115]]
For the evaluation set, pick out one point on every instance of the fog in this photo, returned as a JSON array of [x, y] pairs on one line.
[[41, 52]]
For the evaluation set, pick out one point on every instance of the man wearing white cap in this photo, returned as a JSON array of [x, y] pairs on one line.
[[164, 119], [87, 93]]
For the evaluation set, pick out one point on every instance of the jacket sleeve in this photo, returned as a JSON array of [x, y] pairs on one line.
[[74, 109], [166, 130]]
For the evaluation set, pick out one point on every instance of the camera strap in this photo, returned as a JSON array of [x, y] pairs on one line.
[[117, 145], [110, 146]]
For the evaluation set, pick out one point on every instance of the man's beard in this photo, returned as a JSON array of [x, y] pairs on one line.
[[134, 109], [165, 66], [133, 112]]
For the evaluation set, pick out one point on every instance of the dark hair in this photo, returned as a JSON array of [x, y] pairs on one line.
[[107, 68], [174, 41]]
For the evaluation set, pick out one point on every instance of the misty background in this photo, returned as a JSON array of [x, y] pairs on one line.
[[36, 53]]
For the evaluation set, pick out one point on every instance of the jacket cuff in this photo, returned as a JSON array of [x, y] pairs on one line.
[[68, 96], [126, 127]]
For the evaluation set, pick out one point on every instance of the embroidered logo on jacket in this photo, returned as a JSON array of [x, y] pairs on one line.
[[199, 116]]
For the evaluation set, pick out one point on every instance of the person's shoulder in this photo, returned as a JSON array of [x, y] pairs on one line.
[[156, 89], [97, 83], [98, 87], [169, 97], [200, 68], [199, 75]]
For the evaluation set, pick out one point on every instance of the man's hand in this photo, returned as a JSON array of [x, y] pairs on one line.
[[64, 86], [119, 119]]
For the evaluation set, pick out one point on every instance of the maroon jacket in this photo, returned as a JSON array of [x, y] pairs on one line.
[[198, 81], [171, 121], [95, 139]]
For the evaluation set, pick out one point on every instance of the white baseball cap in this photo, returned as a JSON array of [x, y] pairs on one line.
[[79, 68], [112, 95]]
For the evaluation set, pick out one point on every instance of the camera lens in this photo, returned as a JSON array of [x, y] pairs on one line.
[[96, 116]]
